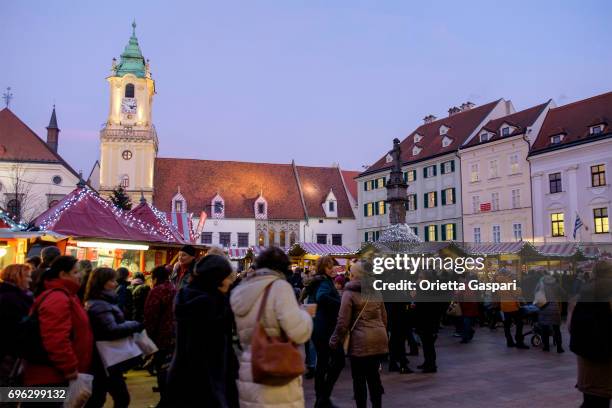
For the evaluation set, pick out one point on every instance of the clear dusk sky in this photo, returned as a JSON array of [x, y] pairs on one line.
[[315, 81]]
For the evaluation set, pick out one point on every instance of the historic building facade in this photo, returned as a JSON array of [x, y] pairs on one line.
[[495, 178], [231, 204], [570, 172], [431, 168], [33, 176], [128, 142]]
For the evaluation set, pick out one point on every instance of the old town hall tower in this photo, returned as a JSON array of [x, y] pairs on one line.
[[128, 141]]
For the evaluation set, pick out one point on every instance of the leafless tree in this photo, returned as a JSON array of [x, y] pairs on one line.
[[18, 199]]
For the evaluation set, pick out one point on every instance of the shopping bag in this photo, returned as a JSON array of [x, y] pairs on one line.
[[454, 309], [144, 342], [79, 391], [540, 298], [115, 352]]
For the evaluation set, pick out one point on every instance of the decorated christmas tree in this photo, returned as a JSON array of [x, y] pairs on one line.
[[120, 199]]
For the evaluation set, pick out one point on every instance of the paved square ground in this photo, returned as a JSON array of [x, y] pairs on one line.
[[484, 373]]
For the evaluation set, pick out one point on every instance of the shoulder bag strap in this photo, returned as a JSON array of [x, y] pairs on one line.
[[262, 306], [359, 315]]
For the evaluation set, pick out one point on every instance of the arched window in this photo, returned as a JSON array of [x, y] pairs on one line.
[[125, 181], [261, 239], [270, 237], [281, 239], [14, 208], [129, 91], [291, 238]]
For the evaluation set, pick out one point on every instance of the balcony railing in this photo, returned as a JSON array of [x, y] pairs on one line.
[[130, 134]]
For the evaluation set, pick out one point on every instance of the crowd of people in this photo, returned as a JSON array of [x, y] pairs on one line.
[[207, 322]]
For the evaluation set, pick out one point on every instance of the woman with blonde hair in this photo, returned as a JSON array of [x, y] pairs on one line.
[[362, 317], [15, 302]]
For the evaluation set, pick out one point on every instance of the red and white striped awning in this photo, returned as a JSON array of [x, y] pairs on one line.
[[236, 254], [319, 249], [183, 223], [495, 248]]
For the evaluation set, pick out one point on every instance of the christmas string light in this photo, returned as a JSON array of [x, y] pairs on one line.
[[128, 219]]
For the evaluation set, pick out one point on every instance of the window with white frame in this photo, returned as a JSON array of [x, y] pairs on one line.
[[556, 139], [416, 150], [496, 234], [514, 164], [484, 137], [505, 131], [495, 201], [429, 171], [474, 172], [516, 198], [475, 204], [412, 202], [417, 138], [517, 230], [477, 238], [449, 196], [595, 130], [446, 141], [443, 130], [493, 172]]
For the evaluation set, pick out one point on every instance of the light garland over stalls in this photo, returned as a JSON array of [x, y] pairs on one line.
[[168, 228], [129, 219], [14, 225]]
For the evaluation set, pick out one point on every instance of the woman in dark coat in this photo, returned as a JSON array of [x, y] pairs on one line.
[[108, 323], [549, 316], [591, 338], [15, 302], [204, 368], [329, 362], [427, 325]]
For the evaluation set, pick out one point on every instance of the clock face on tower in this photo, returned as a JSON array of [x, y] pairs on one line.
[[128, 105]]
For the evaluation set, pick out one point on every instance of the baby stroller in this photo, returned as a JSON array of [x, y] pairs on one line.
[[530, 314]]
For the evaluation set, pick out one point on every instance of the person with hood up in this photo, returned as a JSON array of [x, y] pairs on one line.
[[140, 290], [281, 312], [108, 323], [204, 368], [364, 319], [550, 313]]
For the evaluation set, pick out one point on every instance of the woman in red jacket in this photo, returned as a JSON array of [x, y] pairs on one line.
[[64, 327]]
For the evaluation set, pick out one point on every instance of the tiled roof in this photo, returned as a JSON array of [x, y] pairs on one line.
[[19, 143], [240, 183], [460, 126], [519, 120], [316, 183], [350, 182], [573, 121]]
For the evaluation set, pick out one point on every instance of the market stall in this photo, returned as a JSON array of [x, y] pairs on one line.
[[306, 254]]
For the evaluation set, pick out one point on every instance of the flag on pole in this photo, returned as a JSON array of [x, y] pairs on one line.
[[577, 225]]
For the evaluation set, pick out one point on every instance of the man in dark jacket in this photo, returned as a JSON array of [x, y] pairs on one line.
[[124, 294], [140, 290]]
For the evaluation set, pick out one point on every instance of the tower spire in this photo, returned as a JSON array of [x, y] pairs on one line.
[[53, 132]]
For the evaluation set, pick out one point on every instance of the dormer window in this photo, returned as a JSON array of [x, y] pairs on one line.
[[417, 138], [446, 141], [388, 158], [505, 131], [556, 139], [261, 208], [179, 204], [595, 130], [443, 130], [485, 137], [217, 206], [330, 205], [416, 150]]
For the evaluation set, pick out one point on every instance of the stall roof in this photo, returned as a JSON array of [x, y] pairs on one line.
[[148, 213], [84, 214], [237, 253], [302, 248], [44, 235]]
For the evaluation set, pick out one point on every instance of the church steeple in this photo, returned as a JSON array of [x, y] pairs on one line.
[[132, 61], [53, 132]]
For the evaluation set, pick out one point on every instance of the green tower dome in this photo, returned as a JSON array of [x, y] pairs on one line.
[[132, 61]]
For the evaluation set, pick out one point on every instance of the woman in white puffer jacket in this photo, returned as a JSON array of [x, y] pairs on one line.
[[281, 311]]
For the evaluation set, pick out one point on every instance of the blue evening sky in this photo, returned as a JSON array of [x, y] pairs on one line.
[[315, 81]]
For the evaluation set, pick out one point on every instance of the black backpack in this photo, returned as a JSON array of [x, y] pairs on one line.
[[30, 344]]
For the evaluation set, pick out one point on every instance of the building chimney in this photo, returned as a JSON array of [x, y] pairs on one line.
[[429, 118], [454, 110], [467, 106], [53, 132]]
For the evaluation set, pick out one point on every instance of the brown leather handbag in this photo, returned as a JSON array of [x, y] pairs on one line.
[[274, 360]]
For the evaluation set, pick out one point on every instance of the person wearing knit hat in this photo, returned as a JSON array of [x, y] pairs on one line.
[[204, 367], [186, 263]]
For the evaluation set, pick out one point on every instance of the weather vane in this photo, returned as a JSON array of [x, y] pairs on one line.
[[7, 96]]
